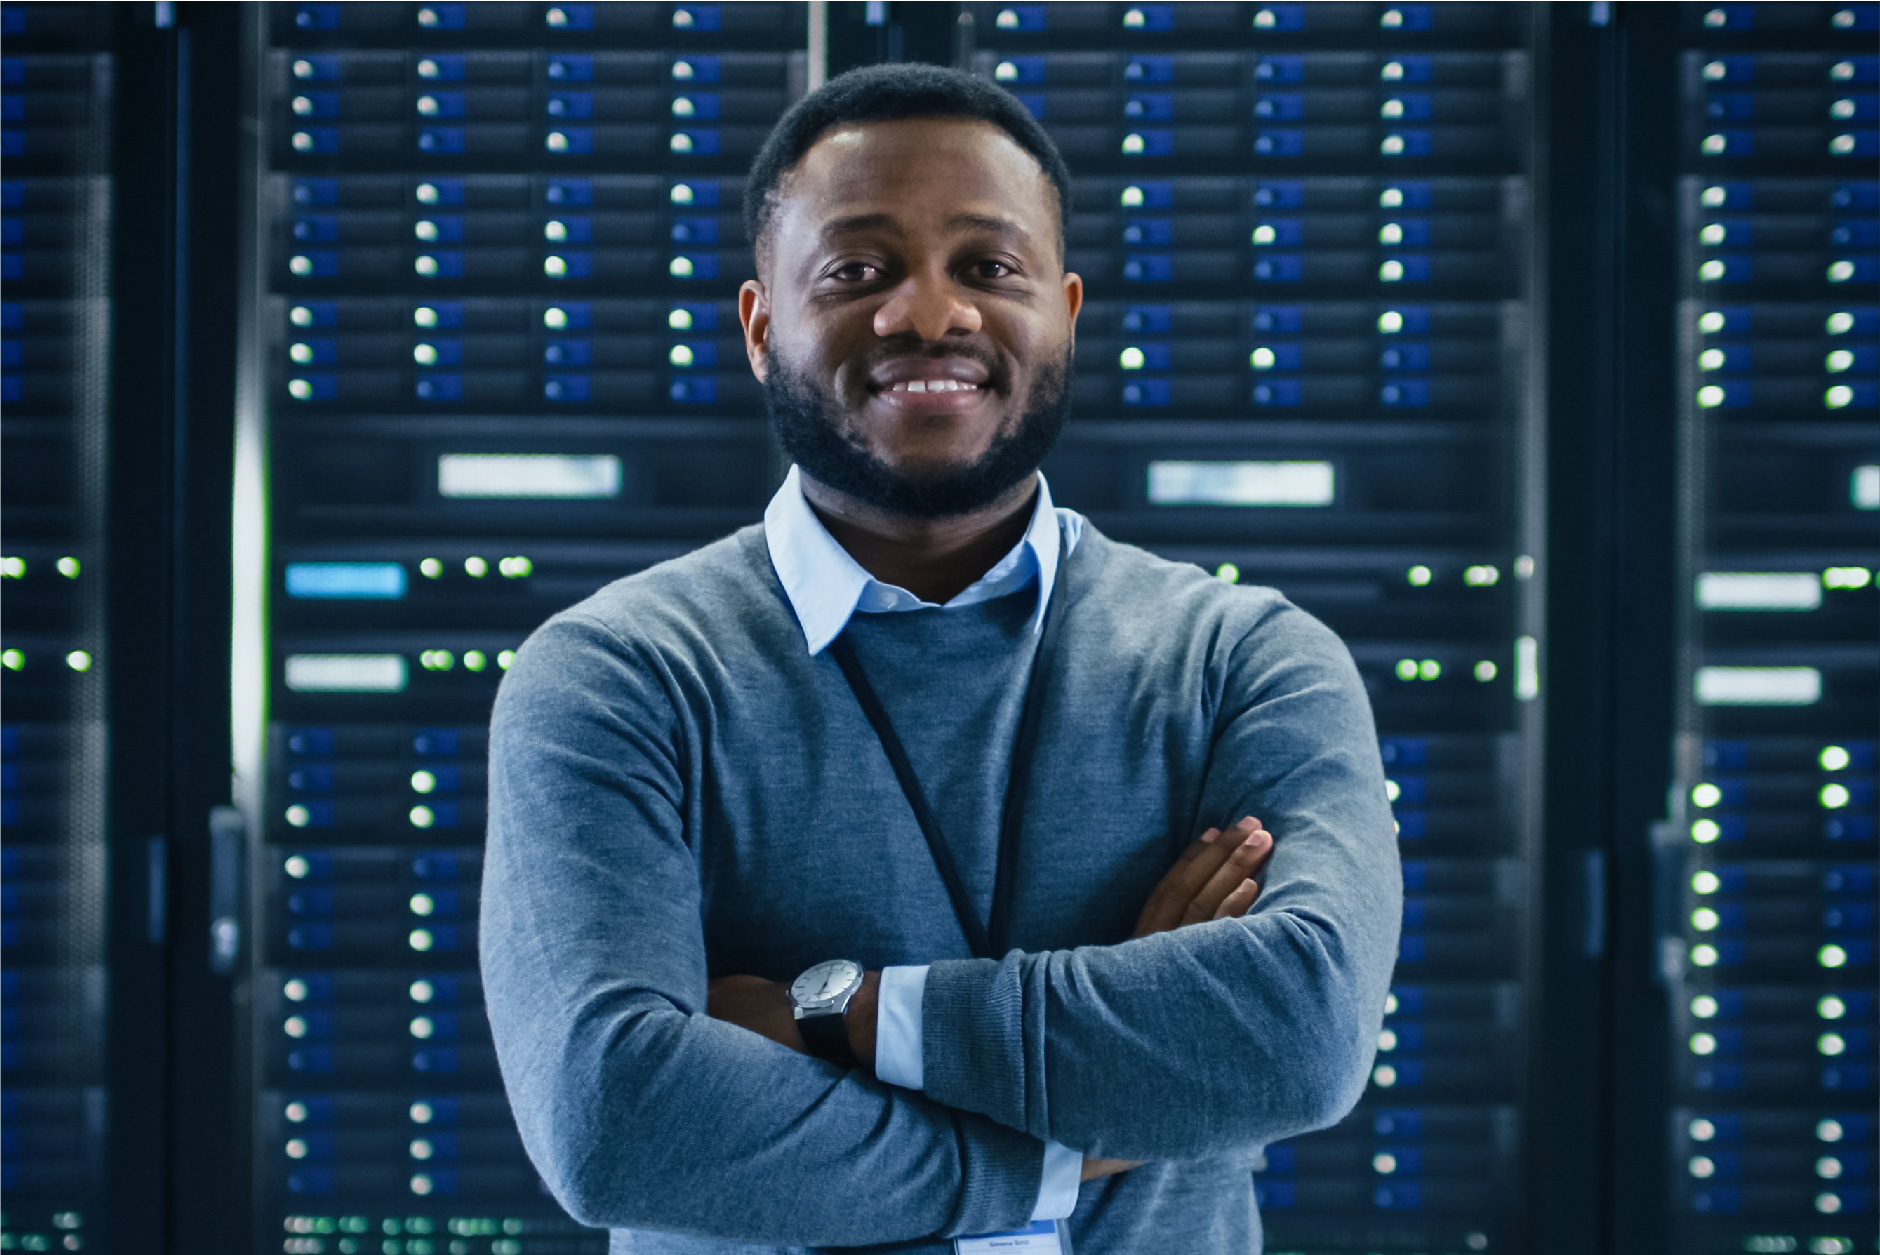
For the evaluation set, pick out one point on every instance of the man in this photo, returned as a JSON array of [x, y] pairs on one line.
[[814, 905]]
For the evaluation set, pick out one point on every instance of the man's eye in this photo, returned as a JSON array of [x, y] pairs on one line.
[[993, 269], [854, 272]]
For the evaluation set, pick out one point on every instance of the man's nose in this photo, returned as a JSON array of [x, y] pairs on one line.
[[930, 306]]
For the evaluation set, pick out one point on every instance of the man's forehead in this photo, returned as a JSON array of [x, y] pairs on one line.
[[962, 171]]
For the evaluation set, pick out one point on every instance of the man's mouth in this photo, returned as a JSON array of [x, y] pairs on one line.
[[931, 385]]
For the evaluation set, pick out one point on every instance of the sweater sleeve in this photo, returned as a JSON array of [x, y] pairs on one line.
[[1224, 1035], [639, 1110]]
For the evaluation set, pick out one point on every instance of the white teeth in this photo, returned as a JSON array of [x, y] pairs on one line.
[[933, 385]]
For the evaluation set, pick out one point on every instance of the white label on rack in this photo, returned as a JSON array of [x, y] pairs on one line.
[[1241, 483], [1758, 686], [1759, 590], [346, 673], [514, 476]]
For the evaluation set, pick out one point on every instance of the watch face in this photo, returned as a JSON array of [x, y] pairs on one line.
[[825, 982]]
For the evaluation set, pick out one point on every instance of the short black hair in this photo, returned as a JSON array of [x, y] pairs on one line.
[[885, 93]]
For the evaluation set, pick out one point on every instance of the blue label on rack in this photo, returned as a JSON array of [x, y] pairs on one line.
[[1285, 357], [314, 742], [571, 67], [1149, 70], [572, 140], [1275, 1195], [438, 742], [570, 191], [309, 1181], [311, 778], [1280, 194], [566, 388], [1398, 1196], [1281, 320], [701, 105], [578, 17], [310, 902], [376, 580], [1411, 825], [1150, 107], [1148, 268], [1148, 392], [567, 352], [1150, 232], [441, 865], [702, 390], [310, 937], [1020, 70], [316, 229], [434, 1060], [443, 67], [700, 69], [698, 17], [1279, 142], [1280, 268], [1401, 356], [1281, 70], [576, 105], [1154, 319], [1278, 392], [695, 231], [1398, 1122], [440, 387], [1407, 69], [317, 17]]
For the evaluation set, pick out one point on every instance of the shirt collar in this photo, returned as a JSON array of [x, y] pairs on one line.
[[825, 586]]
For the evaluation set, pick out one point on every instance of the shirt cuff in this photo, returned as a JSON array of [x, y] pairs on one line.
[[1057, 1192], [898, 1026]]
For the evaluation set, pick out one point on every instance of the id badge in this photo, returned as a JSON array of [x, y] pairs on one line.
[[1040, 1237]]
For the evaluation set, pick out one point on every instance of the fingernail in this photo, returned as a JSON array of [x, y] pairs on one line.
[[1249, 822], [1261, 837], [1209, 835]]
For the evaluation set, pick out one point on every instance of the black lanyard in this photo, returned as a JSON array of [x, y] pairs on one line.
[[986, 943]]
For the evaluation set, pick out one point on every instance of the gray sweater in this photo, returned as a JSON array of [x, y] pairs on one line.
[[679, 791]]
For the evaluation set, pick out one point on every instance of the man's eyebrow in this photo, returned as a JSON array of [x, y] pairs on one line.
[[990, 223], [856, 224]]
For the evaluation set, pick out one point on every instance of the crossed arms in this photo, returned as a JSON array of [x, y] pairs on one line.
[[641, 1110]]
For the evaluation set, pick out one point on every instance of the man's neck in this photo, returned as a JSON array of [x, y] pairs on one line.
[[935, 559]]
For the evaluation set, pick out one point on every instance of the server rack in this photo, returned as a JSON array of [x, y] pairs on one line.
[[1767, 950], [1309, 359], [505, 367], [56, 201]]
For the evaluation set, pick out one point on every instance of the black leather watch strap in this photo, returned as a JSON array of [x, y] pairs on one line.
[[827, 1037]]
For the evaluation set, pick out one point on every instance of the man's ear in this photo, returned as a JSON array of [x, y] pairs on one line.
[[1073, 299], [754, 313]]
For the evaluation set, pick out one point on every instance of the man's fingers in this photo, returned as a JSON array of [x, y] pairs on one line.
[[1239, 866], [1237, 903], [1172, 902]]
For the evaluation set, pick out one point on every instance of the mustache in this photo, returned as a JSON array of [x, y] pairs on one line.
[[998, 375]]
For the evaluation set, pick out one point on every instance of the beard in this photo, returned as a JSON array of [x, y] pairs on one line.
[[804, 417]]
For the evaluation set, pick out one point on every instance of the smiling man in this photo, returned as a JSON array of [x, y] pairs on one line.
[[887, 874]]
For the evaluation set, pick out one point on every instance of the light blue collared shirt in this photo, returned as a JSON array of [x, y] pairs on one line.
[[826, 587]]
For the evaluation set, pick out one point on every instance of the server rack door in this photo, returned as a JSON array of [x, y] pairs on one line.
[[1307, 359], [55, 203], [1769, 850], [500, 247]]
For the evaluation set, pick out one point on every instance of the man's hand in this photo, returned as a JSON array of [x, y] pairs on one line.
[[1213, 879]]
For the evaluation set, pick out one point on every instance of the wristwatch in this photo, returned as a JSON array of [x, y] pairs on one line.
[[821, 996]]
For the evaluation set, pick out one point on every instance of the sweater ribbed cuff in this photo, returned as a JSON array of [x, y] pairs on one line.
[[1003, 1170], [972, 1038]]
